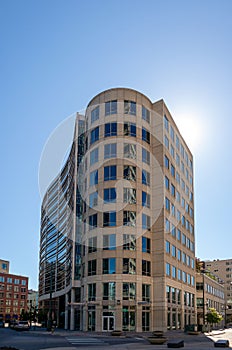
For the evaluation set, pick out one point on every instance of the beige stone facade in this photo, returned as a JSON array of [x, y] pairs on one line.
[[223, 269], [210, 294], [137, 260]]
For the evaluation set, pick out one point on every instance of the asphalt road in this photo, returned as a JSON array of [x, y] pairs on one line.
[[67, 340], [37, 340]]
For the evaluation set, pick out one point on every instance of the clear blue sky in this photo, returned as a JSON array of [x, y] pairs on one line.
[[56, 55]]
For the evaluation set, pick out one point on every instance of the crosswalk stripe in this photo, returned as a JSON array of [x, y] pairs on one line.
[[81, 340]]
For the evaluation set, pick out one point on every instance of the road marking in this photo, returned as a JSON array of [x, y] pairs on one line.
[[83, 340]]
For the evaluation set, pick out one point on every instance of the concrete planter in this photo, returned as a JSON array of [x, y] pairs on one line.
[[116, 333], [157, 340]]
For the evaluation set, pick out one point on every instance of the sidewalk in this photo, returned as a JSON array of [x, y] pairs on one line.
[[199, 341]]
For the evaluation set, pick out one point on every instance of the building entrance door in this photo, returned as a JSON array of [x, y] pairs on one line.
[[108, 323]]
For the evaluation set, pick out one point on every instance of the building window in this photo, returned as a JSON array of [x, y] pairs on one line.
[[129, 242], [172, 133], [92, 244], [167, 247], [109, 266], [92, 292], [146, 292], [129, 266], [93, 199], [111, 107], [110, 172], [129, 218], [167, 269], [110, 195], [94, 135], [166, 123], [95, 114], [109, 242], [110, 151], [93, 178], [129, 291], [92, 221], [129, 150], [145, 114], [92, 267], [94, 156], [130, 129], [172, 151], [109, 218], [173, 190], [166, 183], [128, 318], [129, 195], [110, 129], [16, 281], [145, 135], [146, 222], [129, 107], [172, 170], [173, 231], [167, 204], [145, 156], [145, 177], [166, 142], [167, 225], [146, 199], [4, 266], [166, 162], [146, 245], [173, 272], [168, 294], [9, 280], [177, 142], [146, 268], [109, 291], [129, 173]]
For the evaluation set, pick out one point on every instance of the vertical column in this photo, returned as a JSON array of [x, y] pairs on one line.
[[85, 318], [66, 312], [72, 318]]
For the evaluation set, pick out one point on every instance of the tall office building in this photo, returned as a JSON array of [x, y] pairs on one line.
[[117, 246]]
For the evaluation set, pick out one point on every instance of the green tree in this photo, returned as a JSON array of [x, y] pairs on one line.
[[213, 316]]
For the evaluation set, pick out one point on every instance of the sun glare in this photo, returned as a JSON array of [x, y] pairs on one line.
[[192, 131]]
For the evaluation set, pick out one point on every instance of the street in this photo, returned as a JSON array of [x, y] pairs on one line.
[[40, 339]]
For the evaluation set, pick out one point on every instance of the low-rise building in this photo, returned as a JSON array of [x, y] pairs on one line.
[[223, 269], [13, 296], [210, 294]]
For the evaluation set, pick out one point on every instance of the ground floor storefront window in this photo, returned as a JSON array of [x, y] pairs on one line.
[[128, 318], [91, 318], [146, 319]]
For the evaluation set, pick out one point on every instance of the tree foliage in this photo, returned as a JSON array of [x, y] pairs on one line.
[[213, 316]]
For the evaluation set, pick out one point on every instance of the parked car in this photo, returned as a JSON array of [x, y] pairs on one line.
[[22, 326], [12, 323]]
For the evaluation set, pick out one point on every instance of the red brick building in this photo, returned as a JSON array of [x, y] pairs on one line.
[[13, 296]]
